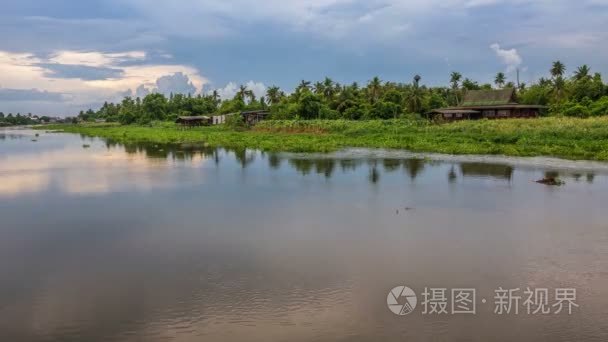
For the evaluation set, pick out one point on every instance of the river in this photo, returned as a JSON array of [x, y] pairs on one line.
[[105, 242]]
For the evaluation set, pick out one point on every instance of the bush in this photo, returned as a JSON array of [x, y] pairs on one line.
[[577, 110], [235, 122]]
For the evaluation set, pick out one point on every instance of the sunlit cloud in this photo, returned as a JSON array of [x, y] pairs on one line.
[[88, 77]]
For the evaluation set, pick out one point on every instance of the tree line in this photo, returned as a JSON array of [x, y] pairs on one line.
[[21, 120], [582, 94]]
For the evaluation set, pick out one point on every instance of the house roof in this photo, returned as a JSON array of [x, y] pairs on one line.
[[489, 97], [193, 118], [259, 112]]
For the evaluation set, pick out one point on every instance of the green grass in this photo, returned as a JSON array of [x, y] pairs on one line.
[[569, 138]]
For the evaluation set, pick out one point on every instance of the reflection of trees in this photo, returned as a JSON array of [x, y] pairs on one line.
[[243, 158], [374, 175], [499, 171], [274, 161], [325, 167], [304, 166], [322, 166], [413, 167], [590, 178], [349, 164], [452, 175], [391, 165], [163, 151]]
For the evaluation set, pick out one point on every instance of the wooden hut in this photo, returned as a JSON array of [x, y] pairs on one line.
[[193, 121], [253, 117], [490, 104]]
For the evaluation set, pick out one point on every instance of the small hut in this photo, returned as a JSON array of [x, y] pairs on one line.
[[490, 104], [193, 121], [253, 117]]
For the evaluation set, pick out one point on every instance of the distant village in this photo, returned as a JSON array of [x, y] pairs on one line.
[[7, 120]]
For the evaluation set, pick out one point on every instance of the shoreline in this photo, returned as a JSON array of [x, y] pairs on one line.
[[563, 138]]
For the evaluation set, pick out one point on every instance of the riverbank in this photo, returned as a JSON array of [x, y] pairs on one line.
[[568, 138]]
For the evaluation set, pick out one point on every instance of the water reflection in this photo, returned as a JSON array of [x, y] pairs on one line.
[[107, 166], [497, 171]]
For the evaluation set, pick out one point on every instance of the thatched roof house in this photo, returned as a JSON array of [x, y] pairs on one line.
[[491, 104]]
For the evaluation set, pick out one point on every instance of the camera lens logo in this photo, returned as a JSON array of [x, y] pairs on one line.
[[401, 300]]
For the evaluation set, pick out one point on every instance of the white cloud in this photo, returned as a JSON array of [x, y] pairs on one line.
[[23, 71], [510, 58], [95, 58], [178, 83], [228, 91]]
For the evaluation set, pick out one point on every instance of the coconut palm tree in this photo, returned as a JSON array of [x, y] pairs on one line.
[[274, 95], [500, 79], [304, 85], [559, 84], [558, 69], [319, 88], [330, 88], [251, 95], [455, 78], [374, 88], [241, 93], [216, 97], [415, 96], [582, 73]]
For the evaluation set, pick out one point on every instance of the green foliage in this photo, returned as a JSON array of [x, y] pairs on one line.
[[17, 120], [564, 137], [235, 122], [580, 95]]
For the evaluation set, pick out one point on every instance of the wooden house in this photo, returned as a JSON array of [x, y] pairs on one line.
[[253, 117], [193, 121], [490, 104]]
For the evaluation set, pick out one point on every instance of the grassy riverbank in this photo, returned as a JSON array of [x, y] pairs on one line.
[[568, 138]]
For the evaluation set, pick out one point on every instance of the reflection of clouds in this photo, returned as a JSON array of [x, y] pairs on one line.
[[91, 171], [177, 288], [12, 184]]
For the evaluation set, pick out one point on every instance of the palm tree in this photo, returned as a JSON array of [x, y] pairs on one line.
[[241, 93], [558, 69], [251, 95], [374, 88], [304, 85], [274, 95], [330, 88], [582, 73], [500, 79], [455, 78], [415, 96], [558, 87], [319, 88]]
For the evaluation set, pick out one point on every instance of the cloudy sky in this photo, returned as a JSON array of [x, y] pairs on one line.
[[61, 56]]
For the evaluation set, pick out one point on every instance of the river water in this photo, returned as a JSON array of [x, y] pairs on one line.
[[105, 242]]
